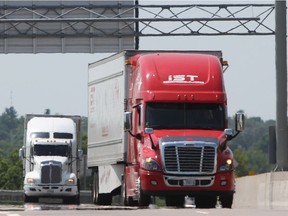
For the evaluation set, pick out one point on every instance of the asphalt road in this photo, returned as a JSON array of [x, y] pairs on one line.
[[90, 209]]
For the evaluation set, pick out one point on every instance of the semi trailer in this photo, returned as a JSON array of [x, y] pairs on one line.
[[158, 126]]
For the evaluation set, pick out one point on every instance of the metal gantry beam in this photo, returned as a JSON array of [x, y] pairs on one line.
[[153, 20], [281, 85], [206, 20]]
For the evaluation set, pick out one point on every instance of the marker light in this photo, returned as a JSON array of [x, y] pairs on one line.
[[224, 62], [70, 180], [229, 161], [30, 180]]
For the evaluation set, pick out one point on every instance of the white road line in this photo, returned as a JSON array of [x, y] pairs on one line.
[[202, 212]]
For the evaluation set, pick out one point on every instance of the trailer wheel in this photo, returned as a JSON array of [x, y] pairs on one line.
[[94, 188], [175, 201], [100, 199], [205, 201], [226, 201], [123, 191]]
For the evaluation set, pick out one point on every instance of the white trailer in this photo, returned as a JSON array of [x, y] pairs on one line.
[[107, 151], [51, 157]]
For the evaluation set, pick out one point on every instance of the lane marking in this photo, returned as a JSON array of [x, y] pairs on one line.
[[202, 212]]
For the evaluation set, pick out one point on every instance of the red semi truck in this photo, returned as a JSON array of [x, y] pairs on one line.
[[174, 142]]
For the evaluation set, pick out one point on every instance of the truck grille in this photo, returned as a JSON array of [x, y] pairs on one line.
[[189, 159], [51, 172]]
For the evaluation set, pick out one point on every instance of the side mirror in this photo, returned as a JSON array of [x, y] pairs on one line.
[[239, 121], [128, 121], [239, 126], [21, 153], [228, 132]]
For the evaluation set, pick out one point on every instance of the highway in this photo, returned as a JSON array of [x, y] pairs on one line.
[[90, 209]]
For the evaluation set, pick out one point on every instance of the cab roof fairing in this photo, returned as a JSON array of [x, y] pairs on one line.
[[179, 76]]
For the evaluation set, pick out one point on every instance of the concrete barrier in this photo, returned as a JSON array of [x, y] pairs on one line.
[[268, 190]]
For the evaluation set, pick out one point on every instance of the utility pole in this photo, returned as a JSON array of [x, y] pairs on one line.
[[281, 85]]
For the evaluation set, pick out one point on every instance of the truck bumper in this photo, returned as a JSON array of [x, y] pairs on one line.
[[157, 184], [48, 190]]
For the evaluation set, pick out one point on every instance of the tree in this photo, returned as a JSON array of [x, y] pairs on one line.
[[251, 146], [47, 112], [11, 172], [9, 118], [11, 130]]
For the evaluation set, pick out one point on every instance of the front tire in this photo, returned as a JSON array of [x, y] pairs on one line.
[[175, 201], [143, 199], [205, 201], [226, 201], [30, 199]]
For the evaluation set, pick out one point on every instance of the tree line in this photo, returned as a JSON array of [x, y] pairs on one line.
[[250, 147]]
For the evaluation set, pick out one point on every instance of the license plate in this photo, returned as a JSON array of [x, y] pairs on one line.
[[189, 182], [50, 191]]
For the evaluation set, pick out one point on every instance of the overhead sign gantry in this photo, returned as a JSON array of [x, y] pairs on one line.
[[111, 26]]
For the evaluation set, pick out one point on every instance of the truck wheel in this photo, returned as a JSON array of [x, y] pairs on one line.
[[226, 201], [123, 192], [126, 201], [70, 200], [205, 201], [77, 198], [100, 199], [175, 201], [143, 199], [30, 199]]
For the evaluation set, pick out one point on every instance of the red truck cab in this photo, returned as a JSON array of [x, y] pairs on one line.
[[176, 116]]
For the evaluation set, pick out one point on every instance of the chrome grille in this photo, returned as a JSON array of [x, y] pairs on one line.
[[51, 172], [189, 158]]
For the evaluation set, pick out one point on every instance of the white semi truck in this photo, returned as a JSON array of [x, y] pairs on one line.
[[51, 157]]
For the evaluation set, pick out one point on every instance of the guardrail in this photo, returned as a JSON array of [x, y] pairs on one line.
[[17, 196]]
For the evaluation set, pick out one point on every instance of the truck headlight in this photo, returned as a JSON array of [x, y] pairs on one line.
[[30, 180], [151, 165], [70, 180], [226, 166]]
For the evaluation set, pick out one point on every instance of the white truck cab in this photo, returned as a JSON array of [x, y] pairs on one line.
[[51, 157]]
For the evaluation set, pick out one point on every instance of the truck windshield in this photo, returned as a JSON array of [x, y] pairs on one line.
[[39, 135], [51, 150], [185, 116], [59, 135]]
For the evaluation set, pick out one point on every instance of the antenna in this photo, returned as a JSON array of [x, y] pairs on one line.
[[11, 98]]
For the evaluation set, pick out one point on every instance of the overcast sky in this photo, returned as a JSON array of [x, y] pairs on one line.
[[35, 82]]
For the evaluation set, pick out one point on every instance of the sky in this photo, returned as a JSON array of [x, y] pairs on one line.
[[32, 83]]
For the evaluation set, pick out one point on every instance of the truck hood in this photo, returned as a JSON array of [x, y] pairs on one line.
[[42, 159], [39, 159], [41, 163], [189, 135]]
